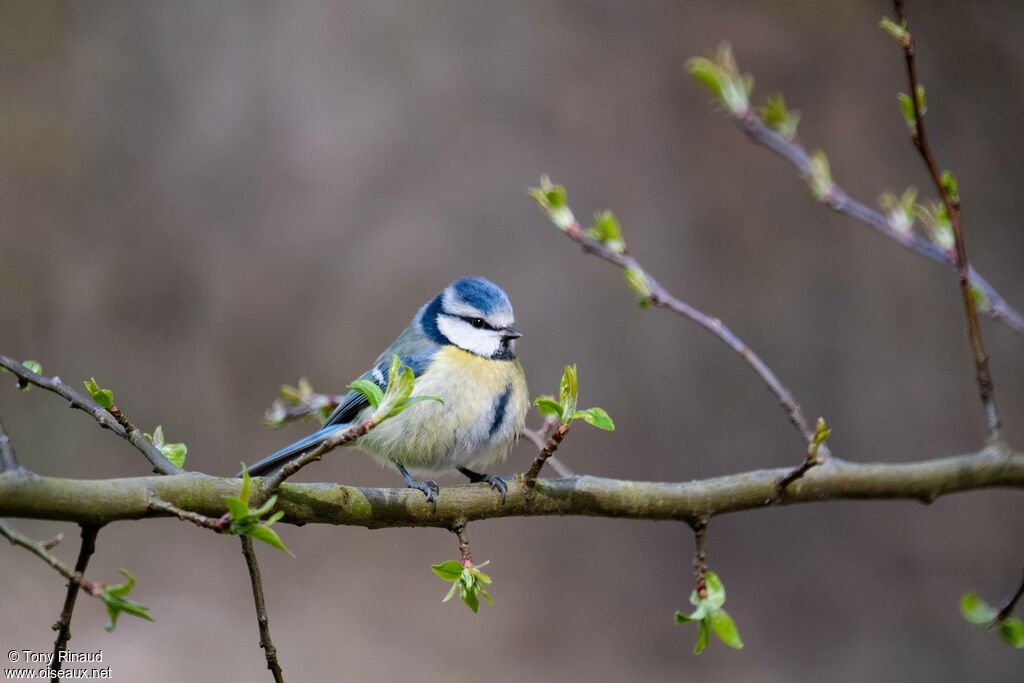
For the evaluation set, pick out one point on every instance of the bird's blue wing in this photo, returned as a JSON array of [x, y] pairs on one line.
[[414, 350]]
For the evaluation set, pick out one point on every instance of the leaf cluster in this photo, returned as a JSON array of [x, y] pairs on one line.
[[398, 395], [114, 597], [246, 521], [564, 408], [711, 617], [975, 610], [468, 580]]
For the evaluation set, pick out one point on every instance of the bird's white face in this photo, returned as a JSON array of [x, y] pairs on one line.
[[488, 335]]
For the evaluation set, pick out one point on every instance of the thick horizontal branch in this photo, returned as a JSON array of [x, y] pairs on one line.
[[102, 501]]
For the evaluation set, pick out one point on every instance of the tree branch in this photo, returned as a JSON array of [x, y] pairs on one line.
[[840, 202], [662, 298], [274, 481], [160, 464], [63, 625], [104, 501], [952, 204], [8, 460], [93, 588], [1011, 604], [261, 610]]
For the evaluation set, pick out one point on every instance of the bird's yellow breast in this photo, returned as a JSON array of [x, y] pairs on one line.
[[484, 409]]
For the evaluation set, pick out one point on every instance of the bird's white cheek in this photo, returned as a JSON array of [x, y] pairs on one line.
[[479, 341]]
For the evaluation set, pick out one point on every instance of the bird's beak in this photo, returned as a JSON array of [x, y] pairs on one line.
[[510, 333]]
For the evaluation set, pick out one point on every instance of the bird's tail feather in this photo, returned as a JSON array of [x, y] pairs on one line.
[[278, 459]]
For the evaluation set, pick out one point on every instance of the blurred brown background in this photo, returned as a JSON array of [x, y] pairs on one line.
[[202, 201]]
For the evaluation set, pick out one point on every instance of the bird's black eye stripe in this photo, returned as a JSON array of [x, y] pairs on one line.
[[478, 323]]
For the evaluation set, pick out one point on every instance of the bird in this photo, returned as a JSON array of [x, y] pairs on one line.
[[461, 347]]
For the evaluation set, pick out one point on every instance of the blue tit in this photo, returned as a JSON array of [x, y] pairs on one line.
[[461, 347]]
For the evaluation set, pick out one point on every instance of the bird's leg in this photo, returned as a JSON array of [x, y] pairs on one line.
[[428, 487], [496, 482]]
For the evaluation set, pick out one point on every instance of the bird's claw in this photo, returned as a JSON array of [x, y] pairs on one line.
[[429, 488], [498, 484]]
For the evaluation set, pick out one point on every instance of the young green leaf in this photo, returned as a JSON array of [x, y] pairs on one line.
[[976, 610], [725, 628], [247, 522], [549, 407], [175, 452], [553, 201], [104, 397], [950, 186], [114, 598], [1012, 632], [398, 395], [450, 570], [373, 393], [778, 117], [907, 107], [469, 581], [710, 616], [638, 282], [703, 636], [31, 366], [568, 390], [606, 230], [897, 31], [596, 417], [722, 78], [820, 176], [821, 434]]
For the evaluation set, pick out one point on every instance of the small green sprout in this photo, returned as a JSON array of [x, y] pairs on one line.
[[710, 615], [398, 395], [638, 282], [607, 231], [552, 201], [937, 224], [31, 366], [977, 611], [114, 598], [303, 396], [467, 579], [776, 116], [175, 452], [907, 107], [104, 397], [246, 521], [820, 176], [900, 211], [950, 187], [564, 408], [722, 78], [896, 30]]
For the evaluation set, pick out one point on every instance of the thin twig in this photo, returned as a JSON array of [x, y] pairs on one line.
[[839, 201], [8, 460], [700, 556], [93, 588], [538, 437], [662, 298], [546, 452], [459, 529], [952, 204], [219, 524], [63, 624], [161, 465], [1011, 604], [272, 482], [261, 610]]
